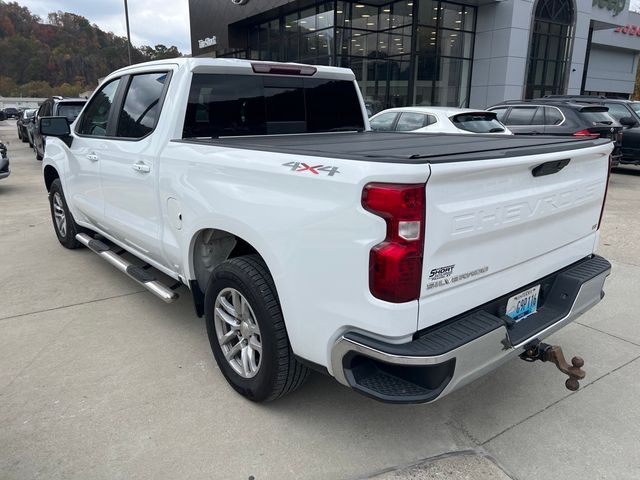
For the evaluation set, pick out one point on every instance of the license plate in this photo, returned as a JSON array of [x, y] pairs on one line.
[[523, 304]]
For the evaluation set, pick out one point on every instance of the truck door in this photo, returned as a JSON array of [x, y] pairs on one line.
[[129, 169], [89, 144]]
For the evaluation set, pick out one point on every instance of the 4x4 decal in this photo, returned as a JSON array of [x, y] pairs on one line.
[[314, 169]]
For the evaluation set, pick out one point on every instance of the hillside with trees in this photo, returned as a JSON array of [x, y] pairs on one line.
[[65, 55]]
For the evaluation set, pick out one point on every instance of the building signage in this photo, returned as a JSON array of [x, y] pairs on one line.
[[614, 6], [629, 30], [207, 42]]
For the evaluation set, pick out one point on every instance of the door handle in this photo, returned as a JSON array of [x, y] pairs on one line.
[[93, 157], [141, 167]]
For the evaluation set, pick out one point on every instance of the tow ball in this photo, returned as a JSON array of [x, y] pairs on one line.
[[553, 353]]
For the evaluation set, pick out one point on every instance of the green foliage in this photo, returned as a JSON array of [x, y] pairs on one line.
[[65, 56]]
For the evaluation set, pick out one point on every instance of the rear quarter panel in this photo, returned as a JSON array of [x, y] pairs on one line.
[[309, 227]]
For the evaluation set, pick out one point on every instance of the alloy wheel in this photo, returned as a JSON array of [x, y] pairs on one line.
[[59, 214], [238, 332]]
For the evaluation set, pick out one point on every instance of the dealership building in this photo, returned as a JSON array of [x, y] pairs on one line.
[[431, 52]]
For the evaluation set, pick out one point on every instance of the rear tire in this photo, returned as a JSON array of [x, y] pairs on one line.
[[247, 333], [63, 223]]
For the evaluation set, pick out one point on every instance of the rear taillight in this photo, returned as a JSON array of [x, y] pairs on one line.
[[606, 190], [395, 264], [585, 133]]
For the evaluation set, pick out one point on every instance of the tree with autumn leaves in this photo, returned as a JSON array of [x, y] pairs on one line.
[[65, 55]]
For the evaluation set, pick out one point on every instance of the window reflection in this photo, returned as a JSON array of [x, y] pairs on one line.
[[392, 68]]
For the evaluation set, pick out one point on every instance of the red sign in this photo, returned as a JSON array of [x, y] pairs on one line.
[[629, 30]]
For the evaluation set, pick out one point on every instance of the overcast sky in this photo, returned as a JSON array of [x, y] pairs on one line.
[[151, 21]]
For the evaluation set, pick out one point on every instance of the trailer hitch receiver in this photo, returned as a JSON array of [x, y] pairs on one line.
[[553, 353]]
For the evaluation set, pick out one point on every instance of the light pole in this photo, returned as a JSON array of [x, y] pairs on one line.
[[126, 16]]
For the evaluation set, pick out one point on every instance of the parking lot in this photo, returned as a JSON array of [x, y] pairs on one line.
[[100, 380]]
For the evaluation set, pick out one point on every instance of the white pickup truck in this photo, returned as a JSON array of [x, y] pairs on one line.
[[403, 265]]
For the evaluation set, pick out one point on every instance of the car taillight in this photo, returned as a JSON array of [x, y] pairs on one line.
[[585, 133], [606, 190], [395, 264]]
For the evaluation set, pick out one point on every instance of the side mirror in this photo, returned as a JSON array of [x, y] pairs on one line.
[[628, 122], [54, 126]]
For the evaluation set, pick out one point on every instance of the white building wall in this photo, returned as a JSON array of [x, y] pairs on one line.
[[500, 53], [611, 70], [502, 45]]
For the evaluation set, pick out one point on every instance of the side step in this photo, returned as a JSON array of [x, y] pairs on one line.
[[139, 274]]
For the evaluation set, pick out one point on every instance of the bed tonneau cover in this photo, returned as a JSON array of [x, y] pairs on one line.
[[397, 147]]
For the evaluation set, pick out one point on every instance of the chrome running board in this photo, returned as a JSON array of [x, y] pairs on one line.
[[139, 274]]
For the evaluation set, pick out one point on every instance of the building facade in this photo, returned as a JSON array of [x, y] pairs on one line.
[[434, 52]]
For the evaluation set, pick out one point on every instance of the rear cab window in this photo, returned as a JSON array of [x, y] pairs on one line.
[[478, 122], [235, 105]]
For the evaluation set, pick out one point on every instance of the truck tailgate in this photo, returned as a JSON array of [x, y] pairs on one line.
[[492, 226]]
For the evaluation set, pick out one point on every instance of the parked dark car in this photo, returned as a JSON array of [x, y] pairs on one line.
[[4, 161], [54, 107], [11, 112], [23, 123], [2, 115], [550, 116], [626, 113]]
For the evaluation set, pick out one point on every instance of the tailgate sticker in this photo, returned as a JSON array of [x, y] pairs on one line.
[[456, 278]]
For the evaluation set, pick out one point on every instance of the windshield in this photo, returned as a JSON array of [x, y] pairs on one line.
[[635, 106], [232, 105], [70, 110], [478, 122]]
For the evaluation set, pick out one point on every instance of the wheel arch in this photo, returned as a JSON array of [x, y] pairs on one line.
[[50, 174], [208, 248]]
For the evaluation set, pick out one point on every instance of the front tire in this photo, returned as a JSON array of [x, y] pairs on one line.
[[63, 223], [247, 333]]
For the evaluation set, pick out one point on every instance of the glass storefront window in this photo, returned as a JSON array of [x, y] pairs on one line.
[[454, 43], [451, 16], [307, 20], [364, 17], [376, 42], [428, 12], [549, 48], [401, 14], [452, 85]]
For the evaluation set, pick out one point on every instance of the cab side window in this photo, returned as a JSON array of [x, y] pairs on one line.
[[141, 109], [94, 121]]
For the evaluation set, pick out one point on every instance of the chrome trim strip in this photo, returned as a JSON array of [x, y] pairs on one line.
[[477, 357]]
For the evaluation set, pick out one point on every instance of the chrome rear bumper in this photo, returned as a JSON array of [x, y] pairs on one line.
[[481, 342]]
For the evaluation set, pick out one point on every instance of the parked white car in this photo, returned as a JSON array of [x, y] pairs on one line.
[[437, 120]]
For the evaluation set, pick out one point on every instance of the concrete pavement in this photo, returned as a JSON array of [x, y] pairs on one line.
[[100, 380]]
